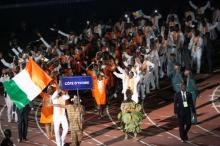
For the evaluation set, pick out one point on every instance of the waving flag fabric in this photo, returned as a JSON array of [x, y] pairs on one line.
[[138, 14], [27, 84]]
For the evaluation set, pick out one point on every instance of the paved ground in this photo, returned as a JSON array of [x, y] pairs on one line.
[[159, 126]]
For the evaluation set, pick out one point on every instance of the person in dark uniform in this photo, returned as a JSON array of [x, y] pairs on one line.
[[183, 106], [23, 121]]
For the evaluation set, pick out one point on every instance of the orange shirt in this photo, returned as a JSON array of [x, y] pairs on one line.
[[100, 91], [47, 109]]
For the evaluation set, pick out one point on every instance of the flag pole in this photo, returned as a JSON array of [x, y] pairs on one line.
[[78, 95]]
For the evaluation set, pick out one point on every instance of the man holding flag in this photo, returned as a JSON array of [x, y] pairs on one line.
[[22, 89]]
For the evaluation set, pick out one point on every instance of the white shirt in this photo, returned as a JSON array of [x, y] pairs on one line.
[[183, 95], [100, 85], [58, 111]]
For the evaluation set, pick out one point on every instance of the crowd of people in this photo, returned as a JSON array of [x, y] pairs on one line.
[[135, 54]]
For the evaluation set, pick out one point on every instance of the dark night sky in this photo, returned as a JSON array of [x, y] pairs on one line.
[[96, 9]]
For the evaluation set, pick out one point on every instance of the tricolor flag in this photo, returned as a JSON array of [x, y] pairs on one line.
[[138, 14], [27, 84]]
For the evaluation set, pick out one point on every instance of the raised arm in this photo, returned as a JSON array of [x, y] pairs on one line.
[[147, 17], [19, 49], [60, 32], [15, 52], [120, 69], [55, 95], [206, 6], [193, 5], [63, 33], [211, 27], [118, 75], [9, 65], [159, 16], [43, 41]]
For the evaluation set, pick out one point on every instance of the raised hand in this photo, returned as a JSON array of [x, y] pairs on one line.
[[53, 29], [38, 34]]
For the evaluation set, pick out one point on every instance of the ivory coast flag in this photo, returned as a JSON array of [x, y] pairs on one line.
[[27, 84]]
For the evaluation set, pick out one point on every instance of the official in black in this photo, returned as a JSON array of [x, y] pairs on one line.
[[183, 105]]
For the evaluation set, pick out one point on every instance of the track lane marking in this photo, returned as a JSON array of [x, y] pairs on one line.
[[38, 125]]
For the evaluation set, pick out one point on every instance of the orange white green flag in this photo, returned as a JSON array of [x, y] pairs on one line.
[[27, 84]]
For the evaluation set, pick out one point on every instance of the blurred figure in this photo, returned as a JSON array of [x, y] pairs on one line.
[[7, 139], [192, 88]]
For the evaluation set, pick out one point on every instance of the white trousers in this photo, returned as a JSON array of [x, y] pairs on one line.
[[64, 123], [149, 80], [10, 111], [125, 97], [196, 58], [156, 75]]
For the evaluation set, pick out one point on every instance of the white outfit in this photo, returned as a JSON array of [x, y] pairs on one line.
[[59, 118], [154, 57], [9, 103], [123, 76], [196, 51], [136, 79], [149, 79]]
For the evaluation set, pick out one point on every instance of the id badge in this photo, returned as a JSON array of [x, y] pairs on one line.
[[185, 104]]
